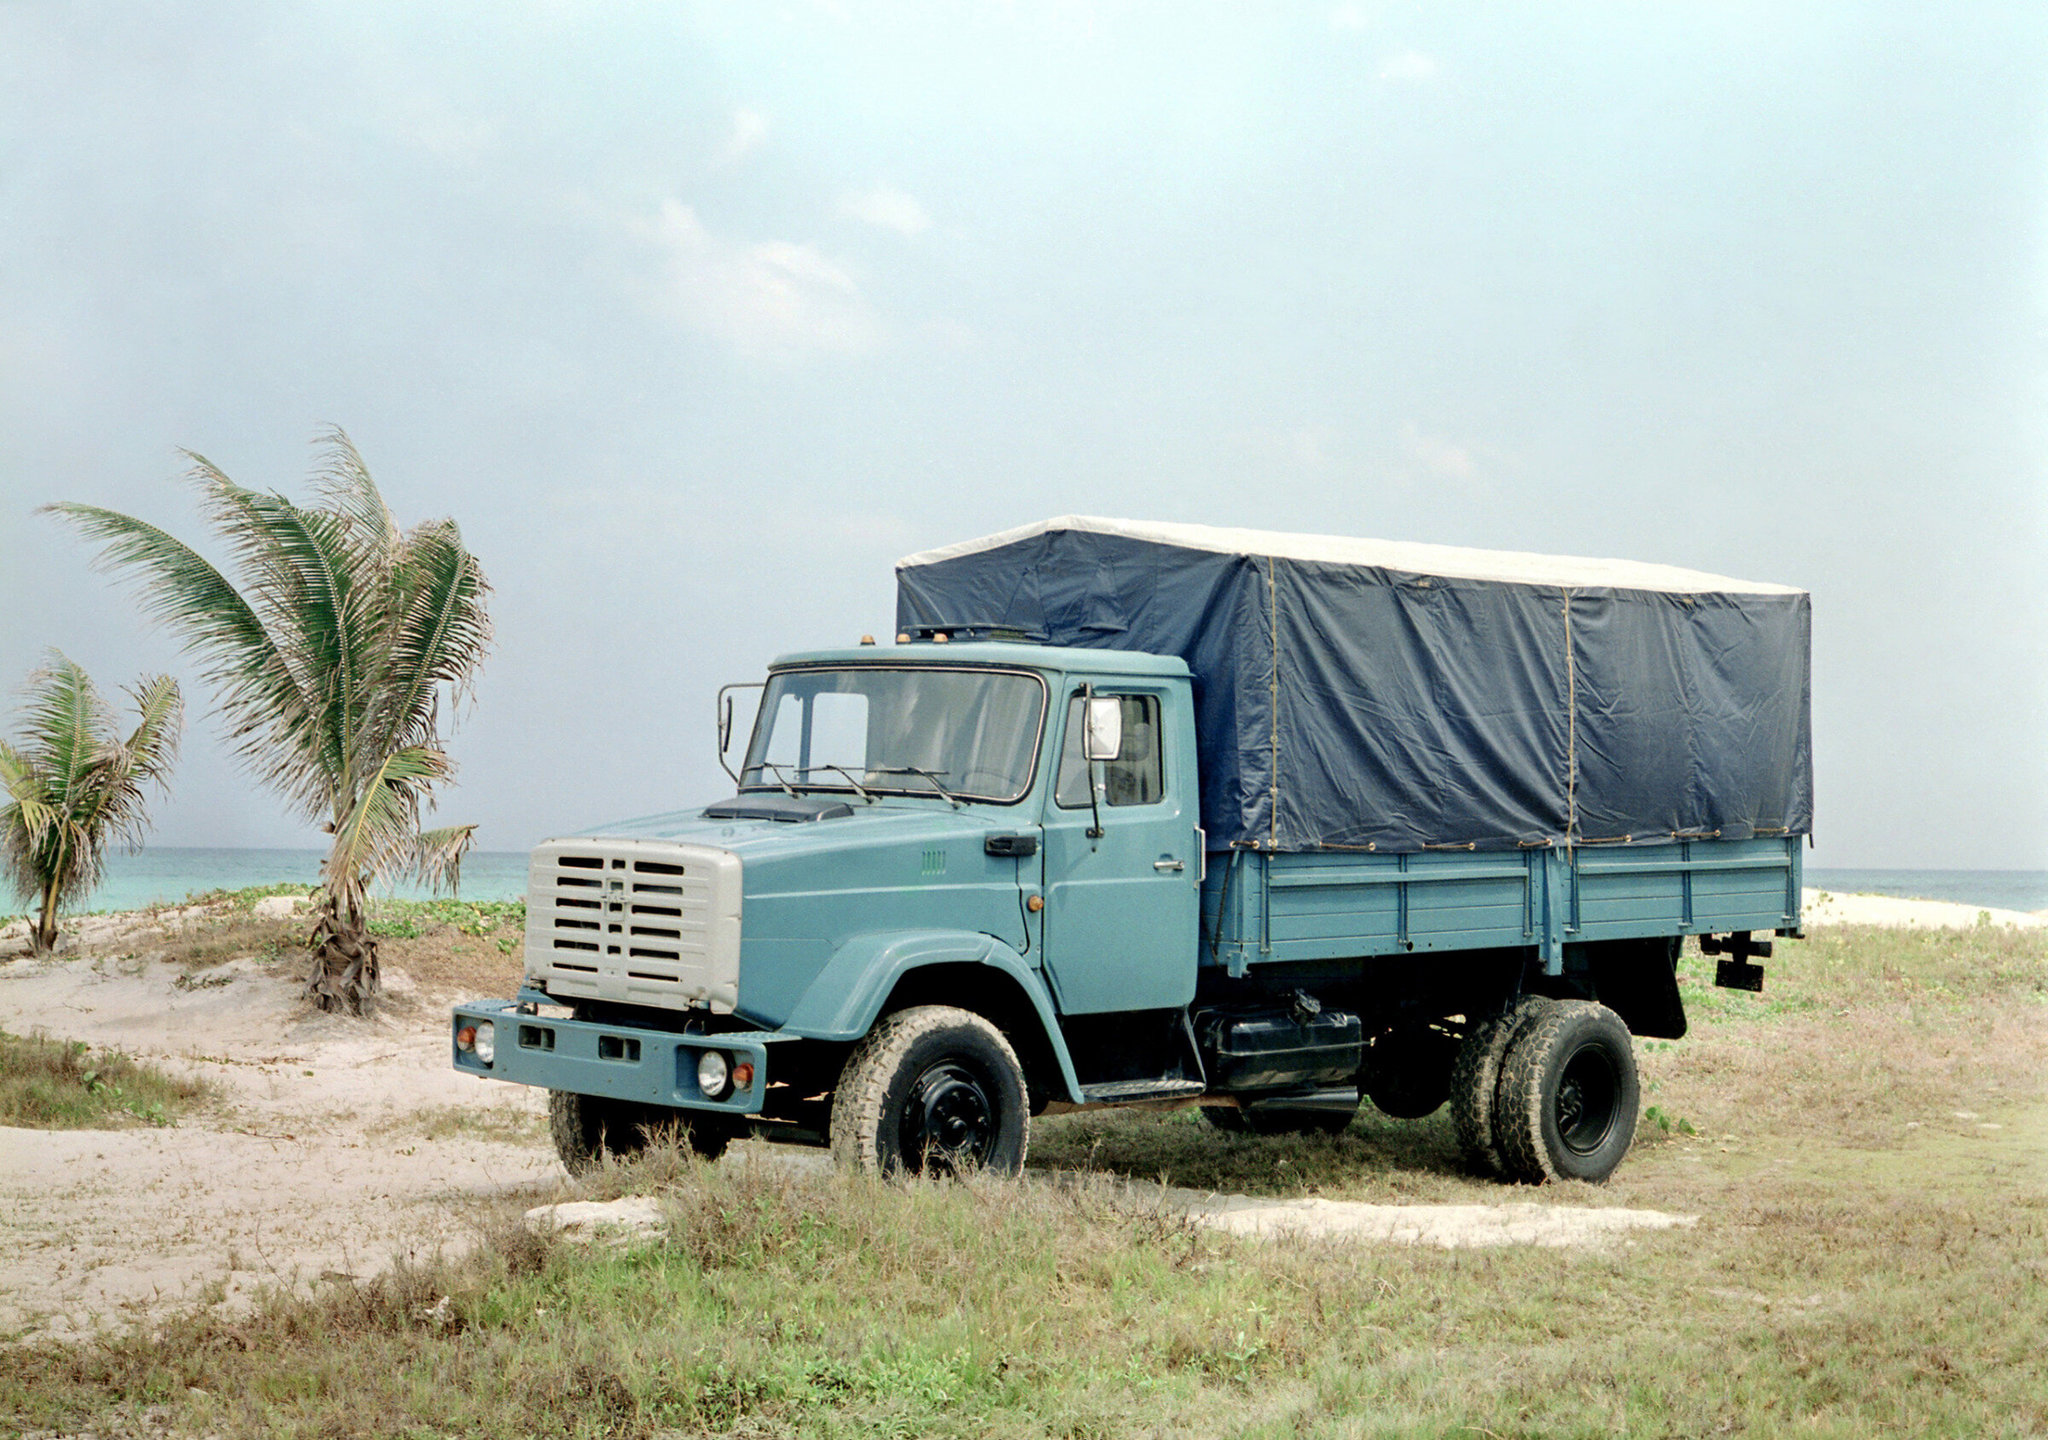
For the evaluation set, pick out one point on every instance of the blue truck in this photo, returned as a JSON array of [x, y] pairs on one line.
[[1132, 814]]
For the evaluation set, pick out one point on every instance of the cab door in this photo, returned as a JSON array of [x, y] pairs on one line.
[[1122, 906]]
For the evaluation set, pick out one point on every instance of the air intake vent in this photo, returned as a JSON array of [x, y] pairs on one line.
[[637, 921]]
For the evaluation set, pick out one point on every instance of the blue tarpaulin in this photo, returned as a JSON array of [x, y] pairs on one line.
[[1374, 695]]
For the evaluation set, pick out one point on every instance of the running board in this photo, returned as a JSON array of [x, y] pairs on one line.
[[1120, 1091]]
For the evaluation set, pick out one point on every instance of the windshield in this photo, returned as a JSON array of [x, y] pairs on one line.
[[966, 734]]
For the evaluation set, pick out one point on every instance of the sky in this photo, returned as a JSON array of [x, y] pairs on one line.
[[697, 317]]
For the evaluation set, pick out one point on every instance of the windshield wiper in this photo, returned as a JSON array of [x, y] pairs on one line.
[[776, 776], [916, 770], [841, 769]]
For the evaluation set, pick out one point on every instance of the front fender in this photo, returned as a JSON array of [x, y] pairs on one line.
[[844, 1001]]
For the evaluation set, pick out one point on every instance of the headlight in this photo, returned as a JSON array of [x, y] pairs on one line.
[[486, 1041], [713, 1074]]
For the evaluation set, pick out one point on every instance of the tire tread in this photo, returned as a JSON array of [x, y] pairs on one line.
[[863, 1085], [1475, 1082]]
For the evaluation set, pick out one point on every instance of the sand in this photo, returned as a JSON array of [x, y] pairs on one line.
[[315, 1164], [1821, 907]]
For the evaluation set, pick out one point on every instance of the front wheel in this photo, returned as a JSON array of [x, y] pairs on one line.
[[586, 1128], [931, 1091], [1568, 1093]]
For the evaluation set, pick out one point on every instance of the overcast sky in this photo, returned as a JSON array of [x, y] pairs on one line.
[[696, 318]]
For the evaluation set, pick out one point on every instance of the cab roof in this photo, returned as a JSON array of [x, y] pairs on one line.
[[1008, 655]]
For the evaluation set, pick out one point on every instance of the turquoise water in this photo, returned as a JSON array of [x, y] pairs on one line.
[[1997, 889], [164, 875]]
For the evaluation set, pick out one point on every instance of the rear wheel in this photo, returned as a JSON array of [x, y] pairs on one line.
[[586, 1128], [932, 1090], [1475, 1081], [1566, 1108]]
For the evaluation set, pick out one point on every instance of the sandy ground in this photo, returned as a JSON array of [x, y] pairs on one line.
[[1821, 907], [311, 1165], [316, 1163]]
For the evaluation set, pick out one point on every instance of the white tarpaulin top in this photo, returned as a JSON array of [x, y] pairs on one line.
[[1508, 567]]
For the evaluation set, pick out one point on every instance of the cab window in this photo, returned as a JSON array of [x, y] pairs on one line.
[[1138, 774]]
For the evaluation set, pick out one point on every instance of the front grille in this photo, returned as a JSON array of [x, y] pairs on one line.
[[639, 921]]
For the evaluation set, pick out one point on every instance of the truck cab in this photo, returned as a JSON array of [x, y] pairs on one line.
[[916, 827]]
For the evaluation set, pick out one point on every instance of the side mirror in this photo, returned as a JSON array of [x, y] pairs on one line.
[[725, 722], [1102, 736]]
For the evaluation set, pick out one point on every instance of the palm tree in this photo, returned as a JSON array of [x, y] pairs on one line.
[[73, 784], [329, 667]]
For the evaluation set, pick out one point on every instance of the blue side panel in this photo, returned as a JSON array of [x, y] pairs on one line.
[[1262, 908]]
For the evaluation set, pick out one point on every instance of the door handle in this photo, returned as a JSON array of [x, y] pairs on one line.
[[1168, 865]]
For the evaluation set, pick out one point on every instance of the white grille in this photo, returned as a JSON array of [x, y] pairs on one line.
[[644, 922]]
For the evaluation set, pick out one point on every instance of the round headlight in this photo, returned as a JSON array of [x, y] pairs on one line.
[[486, 1041], [713, 1074]]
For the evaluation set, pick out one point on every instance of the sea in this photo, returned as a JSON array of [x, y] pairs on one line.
[[166, 874]]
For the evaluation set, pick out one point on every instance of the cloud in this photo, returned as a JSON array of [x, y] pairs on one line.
[[1348, 17], [765, 298], [1436, 456], [749, 133], [890, 209], [1410, 67]]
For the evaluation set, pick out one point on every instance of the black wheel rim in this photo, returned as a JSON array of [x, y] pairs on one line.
[[949, 1121], [1588, 1096]]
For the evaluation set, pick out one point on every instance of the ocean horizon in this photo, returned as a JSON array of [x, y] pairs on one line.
[[168, 874]]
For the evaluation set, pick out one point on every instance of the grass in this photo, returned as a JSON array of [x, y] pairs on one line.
[[48, 1084], [1869, 1259]]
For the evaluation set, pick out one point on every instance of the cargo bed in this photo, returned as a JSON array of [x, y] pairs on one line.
[[1260, 908]]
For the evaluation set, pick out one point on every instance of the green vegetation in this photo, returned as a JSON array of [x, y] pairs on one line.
[[331, 665], [410, 919], [1868, 1258], [71, 785], [50, 1084]]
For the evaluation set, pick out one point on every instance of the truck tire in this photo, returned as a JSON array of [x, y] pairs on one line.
[[1475, 1081], [586, 1128], [931, 1090], [1409, 1071], [1566, 1107], [1269, 1121]]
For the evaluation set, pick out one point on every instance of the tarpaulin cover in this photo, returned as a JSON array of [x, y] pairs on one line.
[[1371, 694]]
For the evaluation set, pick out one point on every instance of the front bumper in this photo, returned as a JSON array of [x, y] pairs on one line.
[[620, 1062]]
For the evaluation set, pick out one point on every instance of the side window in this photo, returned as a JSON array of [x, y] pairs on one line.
[[1138, 774]]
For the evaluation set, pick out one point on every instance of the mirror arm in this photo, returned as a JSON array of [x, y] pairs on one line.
[[725, 719]]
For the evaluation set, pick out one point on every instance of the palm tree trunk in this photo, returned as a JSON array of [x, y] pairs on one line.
[[343, 978], [44, 940]]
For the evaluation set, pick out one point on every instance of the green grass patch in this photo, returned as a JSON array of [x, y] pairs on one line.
[[48, 1084]]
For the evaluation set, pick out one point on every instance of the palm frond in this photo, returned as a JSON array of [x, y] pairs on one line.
[[26, 820], [376, 835], [255, 690], [60, 716], [316, 588], [343, 480], [437, 856], [143, 759], [442, 634]]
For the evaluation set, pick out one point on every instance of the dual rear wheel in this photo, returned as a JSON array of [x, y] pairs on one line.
[[1546, 1090]]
